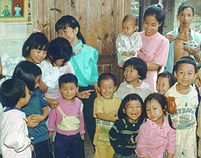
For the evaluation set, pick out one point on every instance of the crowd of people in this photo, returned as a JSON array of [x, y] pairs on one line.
[[53, 93]]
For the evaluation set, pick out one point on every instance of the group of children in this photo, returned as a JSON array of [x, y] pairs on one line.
[[56, 90]]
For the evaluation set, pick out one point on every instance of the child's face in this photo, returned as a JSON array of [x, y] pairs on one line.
[[185, 75], [107, 88], [155, 112], [129, 27], [68, 91], [151, 25], [59, 62], [70, 34], [130, 74], [162, 85], [37, 56], [24, 101], [133, 110]]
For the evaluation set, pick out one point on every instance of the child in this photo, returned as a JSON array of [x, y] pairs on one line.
[[125, 130], [128, 42], [105, 112], [155, 46], [15, 142], [186, 100], [156, 138], [36, 110], [84, 62], [135, 71], [70, 134], [165, 81]]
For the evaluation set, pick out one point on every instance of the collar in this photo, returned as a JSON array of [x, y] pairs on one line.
[[77, 47], [10, 108]]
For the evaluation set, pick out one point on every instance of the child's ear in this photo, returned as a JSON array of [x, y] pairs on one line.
[[77, 89], [98, 89], [196, 75], [175, 74], [76, 30]]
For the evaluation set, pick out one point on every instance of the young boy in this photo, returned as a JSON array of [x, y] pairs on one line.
[[135, 70], [128, 42], [165, 81], [105, 112], [186, 100], [15, 142], [67, 120]]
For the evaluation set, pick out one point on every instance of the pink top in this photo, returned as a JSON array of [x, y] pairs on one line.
[[73, 108], [154, 49], [155, 140]]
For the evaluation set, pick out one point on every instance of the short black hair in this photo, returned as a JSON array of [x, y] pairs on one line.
[[27, 71], [68, 78], [185, 60], [59, 48], [130, 17], [137, 64], [106, 76], [166, 74], [36, 40], [183, 6], [11, 92]]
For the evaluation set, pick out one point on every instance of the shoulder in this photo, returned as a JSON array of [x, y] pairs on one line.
[[90, 48]]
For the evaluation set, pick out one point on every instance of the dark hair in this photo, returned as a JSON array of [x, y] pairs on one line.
[[27, 71], [35, 41], [129, 97], [162, 101], [106, 76], [69, 21], [137, 64], [171, 78], [185, 60], [130, 17], [59, 48], [159, 13], [11, 92], [183, 6], [68, 78]]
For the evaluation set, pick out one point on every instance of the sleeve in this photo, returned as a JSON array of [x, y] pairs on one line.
[[82, 131], [141, 149], [94, 66], [97, 106], [171, 148], [52, 120], [120, 48], [162, 54], [16, 137], [137, 40], [69, 68]]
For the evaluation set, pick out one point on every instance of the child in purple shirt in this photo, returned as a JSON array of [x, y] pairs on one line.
[[157, 137], [67, 120]]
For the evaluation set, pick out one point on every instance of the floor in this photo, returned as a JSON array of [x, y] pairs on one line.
[[89, 151]]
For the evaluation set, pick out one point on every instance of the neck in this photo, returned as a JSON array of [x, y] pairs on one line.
[[184, 29], [135, 83], [69, 100], [183, 90], [74, 42]]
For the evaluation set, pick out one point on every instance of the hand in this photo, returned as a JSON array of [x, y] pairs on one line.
[[82, 136], [35, 119], [31, 123], [53, 103], [51, 136], [170, 37], [132, 53], [126, 54], [194, 52], [84, 94], [32, 147]]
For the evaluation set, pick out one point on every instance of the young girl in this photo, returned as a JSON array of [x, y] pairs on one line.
[[67, 120], [105, 111], [128, 42], [165, 81], [156, 138], [84, 62], [125, 130], [155, 47], [135, 71], [36, 110]]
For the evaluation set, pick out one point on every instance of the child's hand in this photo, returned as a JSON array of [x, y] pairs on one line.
[[53, 103], [126, 54], [31, 123], [82, 136], [84, 94], [170, 37], [32, 147], [37, 118], [194, 52], [51, 136], [132, 53]]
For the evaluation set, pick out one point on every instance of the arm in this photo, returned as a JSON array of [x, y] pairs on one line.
[[107, 117], [152, 66], [82, 131], [171, 148], [43, 87]]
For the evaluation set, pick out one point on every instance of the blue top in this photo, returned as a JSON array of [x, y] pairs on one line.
[[84, 62], [170, 61], [35, 105]]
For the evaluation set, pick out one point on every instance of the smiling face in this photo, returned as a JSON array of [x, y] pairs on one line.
[[151, 25], [162, 85], [133, 110], [37, 56], [185, 17], [155, 112], [129, 27], [68, 91], [130, 74], [107, 88]]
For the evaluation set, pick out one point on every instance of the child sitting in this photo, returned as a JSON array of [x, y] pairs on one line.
[[105, 112], [135, 71], [125, 130], [186, 100], [67, 120], [128, 42], [156, 138], [165, 81], [15, 142]]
